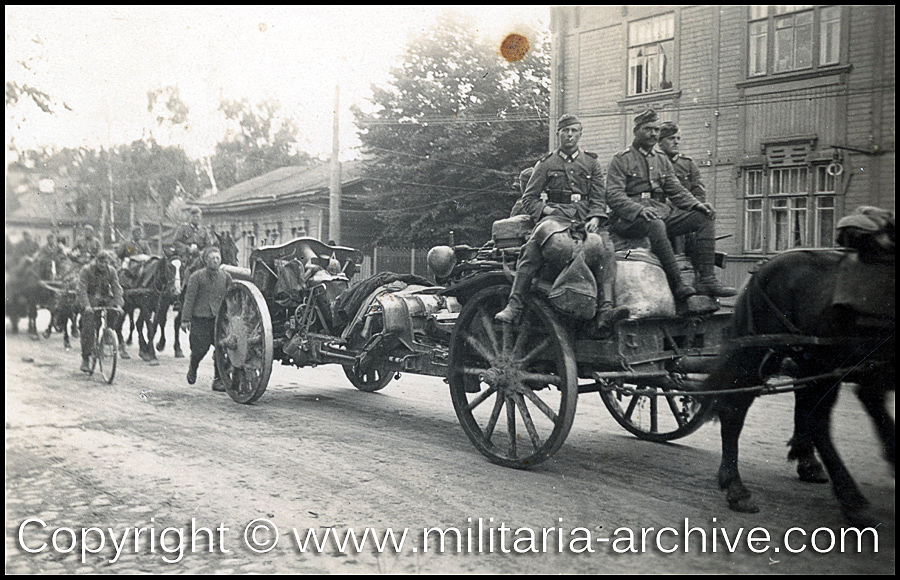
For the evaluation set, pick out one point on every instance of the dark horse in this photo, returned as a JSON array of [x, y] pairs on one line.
[[806, 313], [34, 285], [229, 251], [153, 285]]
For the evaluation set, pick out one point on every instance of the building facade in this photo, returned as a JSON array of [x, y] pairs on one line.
[[787, 110], [288, 203]]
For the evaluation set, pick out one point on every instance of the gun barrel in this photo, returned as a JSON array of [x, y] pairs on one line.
[[237, 272]]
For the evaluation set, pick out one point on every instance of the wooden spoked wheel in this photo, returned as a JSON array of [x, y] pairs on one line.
[[371, 380], [660, 417], [514, 386], [243, 341]]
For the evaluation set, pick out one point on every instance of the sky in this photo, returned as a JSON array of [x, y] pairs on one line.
[[102, 61]]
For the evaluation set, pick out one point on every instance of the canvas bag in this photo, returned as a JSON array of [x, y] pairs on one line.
[[574, 291]]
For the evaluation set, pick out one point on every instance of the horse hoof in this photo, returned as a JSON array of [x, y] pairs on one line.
[[145, 357], [179, 354], [123, 354], [46, 333], [68, 348], [744, 505], [812, 473], [160, 345], [154, 362], [128, 342]]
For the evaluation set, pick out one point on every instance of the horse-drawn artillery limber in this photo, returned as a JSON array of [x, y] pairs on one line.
[[514, 387]]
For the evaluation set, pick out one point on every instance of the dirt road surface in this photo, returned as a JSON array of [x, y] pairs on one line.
[[152, 452]]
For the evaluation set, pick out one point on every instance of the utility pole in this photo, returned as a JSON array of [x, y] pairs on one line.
[[334, 205], [109, 177]]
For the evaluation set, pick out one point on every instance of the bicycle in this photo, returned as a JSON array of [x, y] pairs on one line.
[[106, 347]]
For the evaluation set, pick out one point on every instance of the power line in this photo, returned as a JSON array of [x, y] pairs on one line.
[[747, 101], [467, 166], [431, 185]]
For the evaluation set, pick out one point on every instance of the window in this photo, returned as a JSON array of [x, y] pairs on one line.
[[793, 38], [788, 207], [651, 44]]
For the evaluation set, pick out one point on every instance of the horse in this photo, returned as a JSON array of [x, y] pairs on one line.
[[49, 285], [146, 288], [22, 281], [229, 251], [806, 313]]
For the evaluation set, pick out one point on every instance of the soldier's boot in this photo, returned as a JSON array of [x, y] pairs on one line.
[[85, 364], [512, 314], [680, 290], [123, 354], [607, 314], [705, 258], [662, 248]]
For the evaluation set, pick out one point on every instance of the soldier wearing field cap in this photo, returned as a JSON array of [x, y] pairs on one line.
[[686, 170], [639, 182], [565, 192], [192, 238], [87, 247]]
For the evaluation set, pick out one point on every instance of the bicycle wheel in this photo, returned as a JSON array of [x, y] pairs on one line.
[[108, 354]]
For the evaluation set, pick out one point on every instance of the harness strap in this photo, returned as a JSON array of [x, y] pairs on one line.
[[784, 319]]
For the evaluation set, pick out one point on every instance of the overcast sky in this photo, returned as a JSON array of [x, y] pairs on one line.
[[101, 61]]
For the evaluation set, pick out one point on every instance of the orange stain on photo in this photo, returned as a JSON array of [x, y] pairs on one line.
[[514, 47]]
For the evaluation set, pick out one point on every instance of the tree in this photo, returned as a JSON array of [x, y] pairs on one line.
[[261, 138], [449, 134], [22, 93]]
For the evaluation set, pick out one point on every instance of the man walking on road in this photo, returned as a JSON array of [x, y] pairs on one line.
[[205, 291]]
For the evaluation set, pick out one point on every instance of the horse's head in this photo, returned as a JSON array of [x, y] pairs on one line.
[[228, 248]]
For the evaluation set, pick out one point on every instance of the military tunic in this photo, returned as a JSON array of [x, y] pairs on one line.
[[688, 174], [572, 184], [98, 287], [188, 234], [85, 250], [637, 179]]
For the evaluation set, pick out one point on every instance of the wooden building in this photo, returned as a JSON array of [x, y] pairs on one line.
[[788, 110], [287, 203]]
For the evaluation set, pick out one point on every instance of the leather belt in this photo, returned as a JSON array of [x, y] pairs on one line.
[[560, 197]]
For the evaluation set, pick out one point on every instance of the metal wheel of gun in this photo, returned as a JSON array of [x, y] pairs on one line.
[[205, 291], [566, 199], [98, 286], [647, 199]]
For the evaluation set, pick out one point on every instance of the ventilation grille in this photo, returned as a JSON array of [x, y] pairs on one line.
[[784, 155]]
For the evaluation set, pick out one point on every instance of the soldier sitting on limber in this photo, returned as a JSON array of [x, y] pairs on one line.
[[565, 193], [639, 182]]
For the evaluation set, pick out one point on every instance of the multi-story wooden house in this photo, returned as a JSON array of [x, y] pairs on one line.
[[788, 110]]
